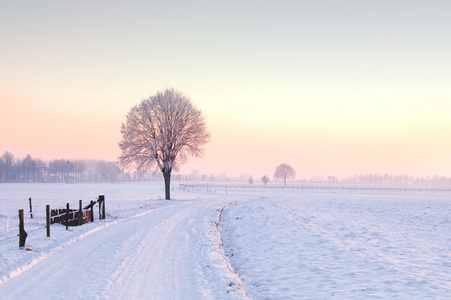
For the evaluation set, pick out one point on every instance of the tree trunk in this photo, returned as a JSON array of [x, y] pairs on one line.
[[167, 183]]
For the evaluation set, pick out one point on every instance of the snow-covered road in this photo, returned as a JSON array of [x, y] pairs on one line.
[[171, 252]]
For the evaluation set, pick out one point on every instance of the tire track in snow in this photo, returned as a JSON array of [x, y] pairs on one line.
[[171, 253], [59, 248], [126, 268], [190, 263], [83, 261]]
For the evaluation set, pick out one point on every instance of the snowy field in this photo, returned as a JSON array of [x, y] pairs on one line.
[[341, 246], [268, 245]]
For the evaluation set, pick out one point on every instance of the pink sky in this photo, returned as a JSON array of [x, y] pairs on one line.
[[331, 90]]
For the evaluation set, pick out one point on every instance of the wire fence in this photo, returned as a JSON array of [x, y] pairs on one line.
[[9, 225], [210, 188]]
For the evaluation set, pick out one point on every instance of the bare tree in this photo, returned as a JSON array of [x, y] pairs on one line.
[[40, 167], [28, 165], [6, 163], [251, 180], [61, 169], [108, 170], [284, 172], [162, 132], [79, 169], [265, 180]]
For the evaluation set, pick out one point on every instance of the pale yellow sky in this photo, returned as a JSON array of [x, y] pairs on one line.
[[329, 87]]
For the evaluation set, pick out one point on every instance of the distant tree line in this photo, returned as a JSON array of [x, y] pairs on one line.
[[388, 179], [30, 169]]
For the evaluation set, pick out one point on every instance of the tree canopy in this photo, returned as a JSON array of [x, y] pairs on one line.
[[284, 172], [161, 132]]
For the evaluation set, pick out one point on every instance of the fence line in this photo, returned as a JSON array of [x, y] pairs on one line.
[[313, 189], [9, 237], [79, 216], [8, 227]]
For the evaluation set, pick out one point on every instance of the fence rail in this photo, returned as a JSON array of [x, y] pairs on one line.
[[38, 220], [314, 189]]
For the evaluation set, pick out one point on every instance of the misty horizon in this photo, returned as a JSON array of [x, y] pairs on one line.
[[102, 170]]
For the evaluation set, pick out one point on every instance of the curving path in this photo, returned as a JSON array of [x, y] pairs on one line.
[[168, 253]]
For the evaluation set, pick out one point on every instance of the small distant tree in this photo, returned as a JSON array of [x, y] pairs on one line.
[[61, 169], [108, 170], [6, 163], [28, 165], [265, 180], [79, 169], [40, 167], [284, 172], [162, 131], [251, 180]]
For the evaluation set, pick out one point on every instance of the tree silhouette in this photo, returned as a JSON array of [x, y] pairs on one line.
[[284, 172], [251, 180], [6, 163]]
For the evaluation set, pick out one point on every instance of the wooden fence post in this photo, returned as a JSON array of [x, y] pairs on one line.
[[22, 233], [31, 210], [80, 213], [102, 206], [67, 216], [47, 214], [92, 211]]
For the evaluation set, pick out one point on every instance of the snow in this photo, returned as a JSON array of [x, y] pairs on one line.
[[319, 246], [257, 244], [154, 249]]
